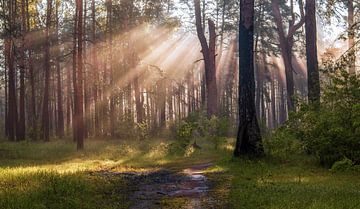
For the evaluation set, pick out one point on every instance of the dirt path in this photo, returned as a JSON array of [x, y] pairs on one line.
[[189, 186], [163, 189]]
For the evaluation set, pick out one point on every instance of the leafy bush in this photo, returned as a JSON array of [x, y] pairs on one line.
[[342, 165], [282, 144], [333, 132]]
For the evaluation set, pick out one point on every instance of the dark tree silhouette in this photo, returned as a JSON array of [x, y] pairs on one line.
[[248, 137], [311, 53]]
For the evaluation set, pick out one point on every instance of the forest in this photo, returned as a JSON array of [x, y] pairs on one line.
[[193, 104]]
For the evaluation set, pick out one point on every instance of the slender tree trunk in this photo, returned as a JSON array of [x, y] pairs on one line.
[[138, 102], [21, 123], [74, 76], [95, 68], [248, 137], [68, 100], [351, 35], [87, 117], [33, 114], [60, 112], [80, 96], [110, 42], [311, 54], [273, 100], [46, 113], [6, 91], [286, 42], [208, 51]]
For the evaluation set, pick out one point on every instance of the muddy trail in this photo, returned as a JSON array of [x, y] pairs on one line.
[[188, 188]]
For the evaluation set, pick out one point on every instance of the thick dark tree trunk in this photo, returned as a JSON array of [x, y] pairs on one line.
[[311, 54], [12, 107], [248, 138]]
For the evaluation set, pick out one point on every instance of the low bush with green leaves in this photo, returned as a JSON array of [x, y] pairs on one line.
[[331, 132], [282, 144]]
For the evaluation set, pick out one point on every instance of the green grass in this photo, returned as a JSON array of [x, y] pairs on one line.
[[300, 183], [55, 175]]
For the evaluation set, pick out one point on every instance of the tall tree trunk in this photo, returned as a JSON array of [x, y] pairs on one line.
[[311, 54], [10, 57], [21, 123], [286, 42], [208, 51], [351, 35], [68, 99], [6, 90], [110, 42], [248, 137], [12, 107], [46, 113], [33, 98], [87, 116], [60, 112], [74, 76], [80, 91], [95, 68]]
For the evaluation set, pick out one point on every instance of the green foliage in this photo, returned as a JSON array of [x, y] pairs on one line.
[[342, 165], [142, 131], [332, 133], [282, 144], [198, 125]]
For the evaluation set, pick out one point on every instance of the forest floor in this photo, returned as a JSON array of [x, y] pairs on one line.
[[156, 174]]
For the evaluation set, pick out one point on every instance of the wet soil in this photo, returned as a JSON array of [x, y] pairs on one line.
[[187, 188]]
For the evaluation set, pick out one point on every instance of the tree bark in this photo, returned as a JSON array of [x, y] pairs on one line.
[[60, 111], [351, 35], [248, 138], [46, 113], [311, 54], [208, 51], [286, 42], [80, 91], [21, 122]]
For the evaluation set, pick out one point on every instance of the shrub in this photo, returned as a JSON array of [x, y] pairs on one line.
[[332, 133], [282, 144], [342, 165]]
